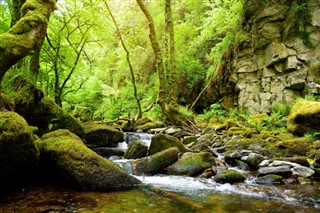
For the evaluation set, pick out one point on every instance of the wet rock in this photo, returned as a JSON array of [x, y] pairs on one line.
[[67, 156], [108, 152], [231, 157], [269, 179], [302, 160], [254, 159], [192, 164], [264, 163], [135, 150], [172, 130], [304, 117], [189, 139], [283, 171], [302, 171], [18, 151], [156, 163], [102, 135], [146, 124], [229, 176], [161, 142]]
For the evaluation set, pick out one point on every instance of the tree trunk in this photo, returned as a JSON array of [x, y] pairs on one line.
[[168, 105], [26, 35], [133, 80]]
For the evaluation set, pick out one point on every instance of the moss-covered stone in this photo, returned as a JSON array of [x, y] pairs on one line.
[[18, 152], [135, 150], [41, 111], [156, 163], [150, 125], [304, 117], [6, 102], [297, 146], [192, 164], [229, 176], [101, 134], [161, 142], [269, 179], [226, 125], [66, 153], [240, 131]]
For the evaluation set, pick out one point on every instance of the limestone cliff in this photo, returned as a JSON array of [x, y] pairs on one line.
[[280, 59]]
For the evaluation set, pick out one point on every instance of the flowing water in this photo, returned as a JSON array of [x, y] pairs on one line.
[[164, 193]]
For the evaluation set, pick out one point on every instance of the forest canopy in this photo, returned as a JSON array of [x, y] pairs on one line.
[[83, 64]]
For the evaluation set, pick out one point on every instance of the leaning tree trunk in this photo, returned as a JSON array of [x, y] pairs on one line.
[[27, 35], [168, 105]]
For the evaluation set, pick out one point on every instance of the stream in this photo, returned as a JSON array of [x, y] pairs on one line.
[[163, 193]]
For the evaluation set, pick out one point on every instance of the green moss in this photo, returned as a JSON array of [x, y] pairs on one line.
[[240, 131], [269, 179], [161, 142], [136, 150], [192, 164], [304, 117], [150, 125], [296, 146], [64, 119], [229, 176], [6, 102], [156, 163], [102, 134], [68, 154], [18, 152]]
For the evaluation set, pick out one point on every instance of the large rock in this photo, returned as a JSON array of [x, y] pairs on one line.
[[161, 142], [283, 171], [254, 159], [102, 135], [156, 163], [135, 150], [18, 152], [192, 164], [66, 154], [229, 176], [304, 117], [41, 111]]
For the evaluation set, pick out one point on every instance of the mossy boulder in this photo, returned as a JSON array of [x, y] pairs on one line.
[[192, 164], [269, 179], [297, 146], [240, 131], [229, 176], [135, 150], [146, 124], [156, 163], [254, 159], [101, 135], [304, 117], [161, 142], [41, 111], [6, 102], [18, 152], [66, 154]]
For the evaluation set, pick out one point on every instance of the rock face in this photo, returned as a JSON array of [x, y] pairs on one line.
[[18, 152], [161, 142], [274, 63], [192, 164], [304, 117], [67, 155], [102, 135]]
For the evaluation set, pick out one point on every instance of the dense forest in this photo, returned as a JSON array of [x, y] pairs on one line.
[[227, 89], [98, 62]]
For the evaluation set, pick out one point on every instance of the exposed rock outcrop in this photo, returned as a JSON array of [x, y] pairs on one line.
[[276, 62]]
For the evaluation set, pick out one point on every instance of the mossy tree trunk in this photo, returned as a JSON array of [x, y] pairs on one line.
[[27, 35], [133, 80], [168, 104]]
